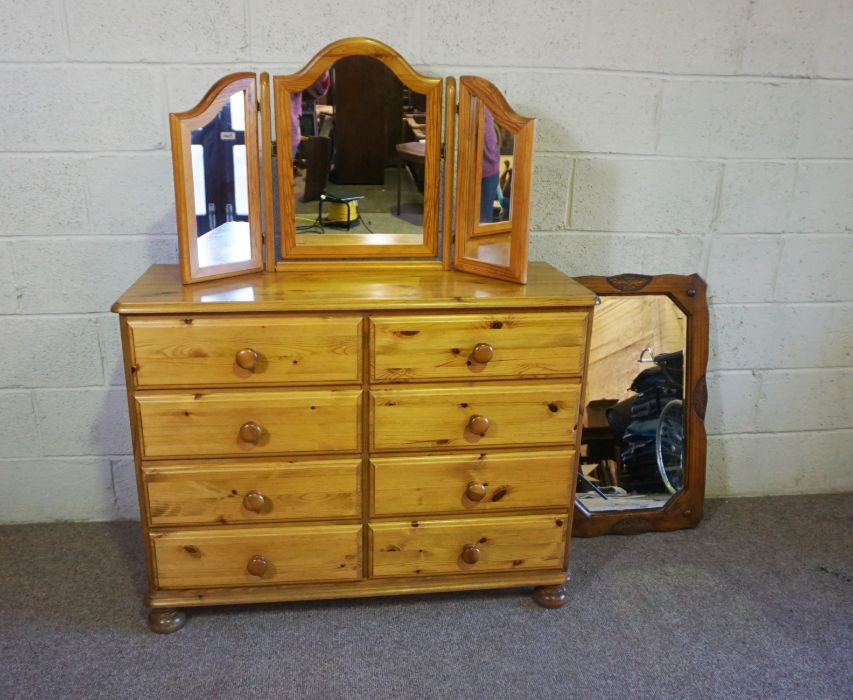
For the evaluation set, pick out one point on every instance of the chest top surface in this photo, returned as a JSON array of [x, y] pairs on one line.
[[159, 290]]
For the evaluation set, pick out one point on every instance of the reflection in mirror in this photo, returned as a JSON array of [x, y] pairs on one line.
[[358, 143], [632, 453], [495, 170], [493, 183], [220, 186], [217, 188]]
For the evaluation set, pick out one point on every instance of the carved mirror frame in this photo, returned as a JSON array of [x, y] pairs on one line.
[[181, 125], [685, 508], [376, 245]]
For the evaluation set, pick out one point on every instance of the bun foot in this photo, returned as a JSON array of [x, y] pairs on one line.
[[551, 596], [166, 621]]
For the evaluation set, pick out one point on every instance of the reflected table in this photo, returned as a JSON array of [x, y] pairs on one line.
[[413, 152], [227, 243]]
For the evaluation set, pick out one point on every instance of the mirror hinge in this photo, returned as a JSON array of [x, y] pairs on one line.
[[259, 105]]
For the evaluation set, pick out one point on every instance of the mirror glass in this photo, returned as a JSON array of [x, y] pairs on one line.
[[358, 145], [498, 147], [493, 183], [632, 452], [220, 185]]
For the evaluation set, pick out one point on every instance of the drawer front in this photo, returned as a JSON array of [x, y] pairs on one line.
[[249, 422], [424, 548], [471, 483], [432, 418], [255, 556], [243, 493], [477, 346], [251, 350]]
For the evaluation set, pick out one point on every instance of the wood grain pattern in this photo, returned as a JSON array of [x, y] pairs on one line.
[[446, 483], [181, 124], [436, 417], [429, 547], [190, 465], [215, 493], [449, 151], [160, 291], [220, 556], [525, 345], [624, 326], [470, 255], [366, 587], [266, 172], [136, 442], [207, 423], [285, 85], [202, 351]]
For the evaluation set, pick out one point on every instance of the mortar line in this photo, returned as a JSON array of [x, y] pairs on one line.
[[453, 68], [65, 28]]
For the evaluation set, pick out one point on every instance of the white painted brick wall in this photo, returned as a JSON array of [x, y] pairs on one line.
[[590, 111], [755, 196], [655, 195], [673, 136]]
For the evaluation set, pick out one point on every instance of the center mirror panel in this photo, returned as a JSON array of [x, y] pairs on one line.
[[358, 135]]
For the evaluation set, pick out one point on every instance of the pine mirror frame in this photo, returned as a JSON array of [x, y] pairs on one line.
[[685, 508], [474, 90], [431, 87], [181, 125]]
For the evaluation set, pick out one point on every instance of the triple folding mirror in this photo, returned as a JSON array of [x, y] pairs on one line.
[[354, 161]]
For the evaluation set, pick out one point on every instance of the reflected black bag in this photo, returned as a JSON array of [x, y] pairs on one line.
[[672, 365], [649, 379]]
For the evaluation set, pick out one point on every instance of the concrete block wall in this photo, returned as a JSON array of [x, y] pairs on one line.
[[673, 136]]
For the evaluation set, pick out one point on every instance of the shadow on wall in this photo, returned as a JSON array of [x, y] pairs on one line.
[[109, 434]]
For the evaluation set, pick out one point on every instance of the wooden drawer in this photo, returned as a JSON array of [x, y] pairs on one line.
[[520, 413], [208, 494], [211, 423], [471, 483], [427, 547], [224, 556], [203, 351], [427, 348]]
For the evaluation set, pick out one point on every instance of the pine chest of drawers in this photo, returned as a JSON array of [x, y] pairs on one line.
[[313, 435]]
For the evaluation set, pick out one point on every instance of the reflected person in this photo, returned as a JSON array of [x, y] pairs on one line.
[[491, 167], [318, 89]]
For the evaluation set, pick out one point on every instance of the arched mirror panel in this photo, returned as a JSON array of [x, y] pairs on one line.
[[217, 189]]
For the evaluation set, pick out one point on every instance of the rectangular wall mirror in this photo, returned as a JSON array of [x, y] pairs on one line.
[[358, 136], [642, 464], [215, 159]]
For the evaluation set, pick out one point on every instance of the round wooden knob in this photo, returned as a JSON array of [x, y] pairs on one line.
[[470, 554], [475, 491], [254, 501], [257, 565], [250, 432], [247, 359], [478, 425], [482, 353]]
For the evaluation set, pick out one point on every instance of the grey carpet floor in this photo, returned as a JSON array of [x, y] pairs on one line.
[[755, 603]]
